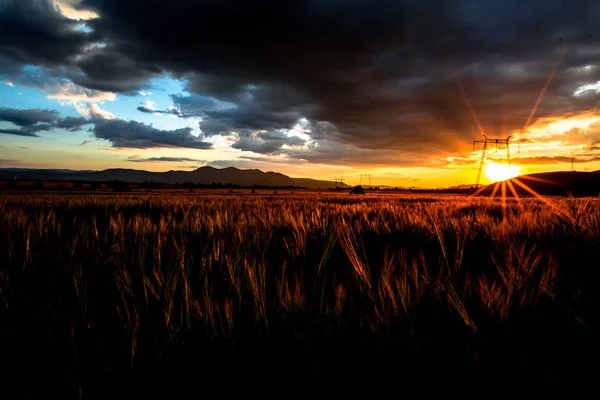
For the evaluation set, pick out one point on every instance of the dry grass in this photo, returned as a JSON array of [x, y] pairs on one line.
[[140, 275]]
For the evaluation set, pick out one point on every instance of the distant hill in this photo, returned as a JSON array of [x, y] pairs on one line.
[[463, 186], [560, 183], [204, 175]]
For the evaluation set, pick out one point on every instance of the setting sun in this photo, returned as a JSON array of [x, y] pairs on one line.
[[500, 172]]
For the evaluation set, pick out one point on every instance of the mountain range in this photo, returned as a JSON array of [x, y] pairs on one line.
[[560, 183], [203, 175]]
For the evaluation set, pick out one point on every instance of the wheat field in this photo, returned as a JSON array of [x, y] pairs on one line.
[[97, 289]]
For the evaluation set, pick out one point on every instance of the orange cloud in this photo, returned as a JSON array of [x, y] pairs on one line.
[[69, 10]]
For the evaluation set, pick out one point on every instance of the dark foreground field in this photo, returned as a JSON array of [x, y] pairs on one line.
[[132, 295]]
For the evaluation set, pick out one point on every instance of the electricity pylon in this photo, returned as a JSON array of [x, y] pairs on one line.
[[485, 141]]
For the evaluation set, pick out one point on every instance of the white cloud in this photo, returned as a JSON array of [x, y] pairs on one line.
[[586, 88], [93, 110], [150, 105], [142, 93], [9, 83], [96, 111], [68, 93]]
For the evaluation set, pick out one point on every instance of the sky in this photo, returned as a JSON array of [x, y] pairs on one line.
[[396, 89]]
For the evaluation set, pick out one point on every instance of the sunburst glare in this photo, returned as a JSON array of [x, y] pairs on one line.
[[499, 172]]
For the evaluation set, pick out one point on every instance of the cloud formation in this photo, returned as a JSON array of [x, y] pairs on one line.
[[120, 133], [164, 159], [39, 34], [132, 134], [387, 77], [381, 73], [172, 111], [30, 122], [266, 142]]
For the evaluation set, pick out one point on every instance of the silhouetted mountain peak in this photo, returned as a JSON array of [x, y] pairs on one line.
[[202, 175]]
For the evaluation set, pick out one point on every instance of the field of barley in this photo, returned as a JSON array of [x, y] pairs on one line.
[[132, 291]]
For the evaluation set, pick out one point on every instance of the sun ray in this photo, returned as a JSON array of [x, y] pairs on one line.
[[527, 188], [512, 189], [479, 190], [496, 186], [469, 106], [543, 91], [541, 198], [533, 178]]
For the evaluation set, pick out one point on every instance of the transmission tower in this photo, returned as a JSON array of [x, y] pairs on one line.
[[485, 142], [338, 182]]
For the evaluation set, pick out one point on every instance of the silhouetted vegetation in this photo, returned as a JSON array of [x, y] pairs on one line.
[[99, 292], [357, 190], [121, 186]]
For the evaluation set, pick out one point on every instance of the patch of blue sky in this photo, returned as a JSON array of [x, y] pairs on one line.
[[158, 95], [126, 108], [158, 91], [167, 85], [83, 28], [27, 97]]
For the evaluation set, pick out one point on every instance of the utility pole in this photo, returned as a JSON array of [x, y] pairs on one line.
[[485, 141]]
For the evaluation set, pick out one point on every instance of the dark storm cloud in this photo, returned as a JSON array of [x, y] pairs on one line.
[[32, 121], [266, 142], [379, 72], [373, 74], [132, 134], [164, 159], [35, 32], [172, 111], [19, 132], [108, 70], [28, 118], [249, 143], [256, 107], [71, 124], [120, 133], [191, 106]]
